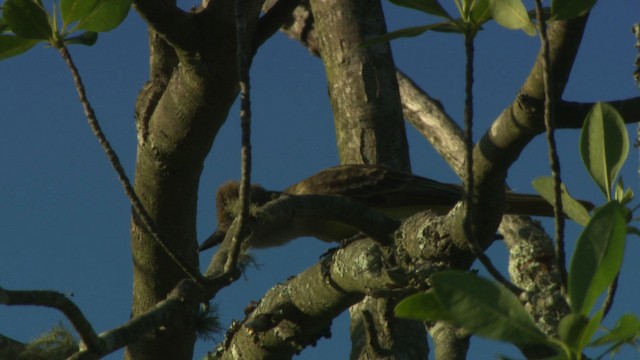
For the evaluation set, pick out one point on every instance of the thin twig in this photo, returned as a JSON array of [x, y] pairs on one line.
[[554, 160], [245, 123], [138, 207], [469, 181], [468, 142]]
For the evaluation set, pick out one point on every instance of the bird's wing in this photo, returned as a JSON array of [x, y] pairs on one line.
[[378, 187]]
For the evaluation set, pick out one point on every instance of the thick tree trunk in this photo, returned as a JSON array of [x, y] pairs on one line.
[[171, 152], [193, 84], [369, 130], [362, 85]]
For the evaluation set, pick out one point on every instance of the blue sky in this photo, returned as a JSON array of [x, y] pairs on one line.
[[64, 221]]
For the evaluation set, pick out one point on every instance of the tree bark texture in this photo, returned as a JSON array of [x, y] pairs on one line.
[[179, 111], [370, 129], [362, 86]]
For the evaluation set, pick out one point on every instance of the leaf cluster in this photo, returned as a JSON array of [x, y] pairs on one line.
[[511, 14], [24, 23]]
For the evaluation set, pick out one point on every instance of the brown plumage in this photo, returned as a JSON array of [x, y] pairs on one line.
[[394, 193]]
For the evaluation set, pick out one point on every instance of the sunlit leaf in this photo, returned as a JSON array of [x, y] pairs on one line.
[[569, 9], [14, 45], [485, 308], [597, 257], [574, 209], [512, 14], [604, 145], [27, 19]]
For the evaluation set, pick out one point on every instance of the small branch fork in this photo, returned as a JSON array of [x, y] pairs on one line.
[[178, 304], [56, 300]]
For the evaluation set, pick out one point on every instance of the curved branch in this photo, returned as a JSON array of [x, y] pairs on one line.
[[175, 25], [298, 312], [277, 12], [61, 302], [523, 119]]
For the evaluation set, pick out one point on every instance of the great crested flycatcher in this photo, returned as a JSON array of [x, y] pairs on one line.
[[393, 193]]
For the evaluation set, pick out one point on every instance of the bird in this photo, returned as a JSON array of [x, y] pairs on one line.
[[393, 193]]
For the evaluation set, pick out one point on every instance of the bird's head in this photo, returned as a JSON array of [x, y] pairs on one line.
[[228, 207], [228, 201]]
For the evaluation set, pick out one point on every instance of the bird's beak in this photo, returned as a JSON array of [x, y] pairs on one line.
[[213, 240]]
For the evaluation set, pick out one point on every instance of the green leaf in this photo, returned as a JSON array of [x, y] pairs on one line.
[[481, 13], [485, 308], [3, 26], [453, 26], [571, 328], [574, 209], [73, 10], [421, 307], [512, 14], [604, 145], [14, 45], [87, 38], [575, 330], [627, 328], [621, 195], [105, 15], [569, 9], [27, 19], [402, 33], [432, 7], [591, 328], [598, 256]]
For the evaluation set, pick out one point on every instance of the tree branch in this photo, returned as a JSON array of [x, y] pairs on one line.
[[174, 25], [277, 13], [298, 312], [571, 115], [451, 343], [61, 302], [525, 113], [169, 315]]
